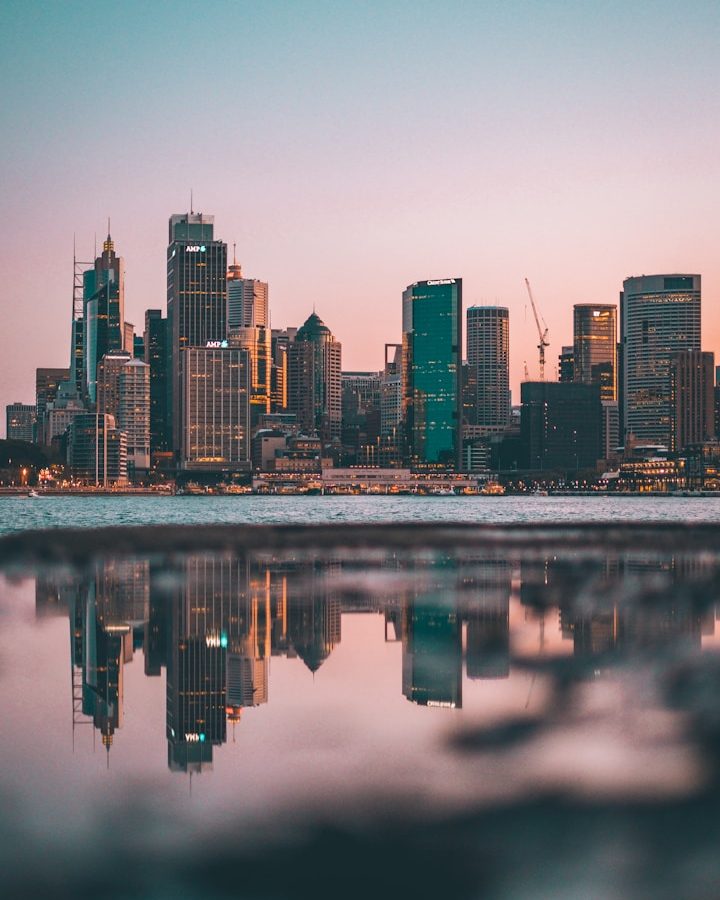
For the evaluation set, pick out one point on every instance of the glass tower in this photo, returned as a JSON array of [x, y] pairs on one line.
[[595, 347], [432, 338]]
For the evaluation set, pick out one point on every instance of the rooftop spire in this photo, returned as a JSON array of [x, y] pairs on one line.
[[108, 245]]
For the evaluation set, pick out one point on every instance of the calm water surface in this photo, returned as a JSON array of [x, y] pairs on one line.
[[20, 513], [533, 721]]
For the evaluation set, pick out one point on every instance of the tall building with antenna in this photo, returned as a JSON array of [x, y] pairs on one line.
[[196, 299]]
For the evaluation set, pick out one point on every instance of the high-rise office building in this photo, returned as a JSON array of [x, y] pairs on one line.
[[693, 398], [103, 313], [20, 422], [134, 413], [247, 304], [314, 380], [659, 316], [595, 347], [47, 382], [97, 449], [432, 399], [216, 409], [361, 417], [561, 425], [196, 299], [280, 339], [566, 364], [108, 381], [488, 353], [256, 339], [155, 340]]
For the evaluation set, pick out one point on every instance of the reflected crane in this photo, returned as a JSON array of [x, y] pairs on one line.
[[542, 332]]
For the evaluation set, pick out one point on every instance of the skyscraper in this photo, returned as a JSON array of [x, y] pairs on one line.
[[103, 313], [432, 400], [155, 339], [488, 352], [134, 413], [196, 298], [595, 347], [47, 382], [216, 413], [659, 316], [20, 422], [693, 398], [314, 380], [247, 300]]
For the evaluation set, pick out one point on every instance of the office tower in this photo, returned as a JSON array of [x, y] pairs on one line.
[[247, 303], [129, 337], [134, 413], [566, 365], [391, 407], [692, 398], [361, 417], [20, 421], [97, 449], [488, 620], [314, 624], [560, 425], [216, 409], [108, 381], [595, 347], [256, 339], [103, 313], [314, 380], [138, 348], [432, 400], [196, 299], [659, 316], [155, 340], [47, 382], [488, 354], [281, 338], [60, 412]]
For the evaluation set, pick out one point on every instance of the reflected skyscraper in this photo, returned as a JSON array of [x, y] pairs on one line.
[[432, 651]]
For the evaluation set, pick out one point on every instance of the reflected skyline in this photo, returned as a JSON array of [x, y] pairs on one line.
[[211, 625]]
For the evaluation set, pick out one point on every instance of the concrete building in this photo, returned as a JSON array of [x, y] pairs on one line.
[[314, 380], [20, 421], [692, 395], [216, 409], [134, 413], [47, 382], [659, 317], [488, 354], [247, 305], [97, 450], [560, 425], [108, 381]]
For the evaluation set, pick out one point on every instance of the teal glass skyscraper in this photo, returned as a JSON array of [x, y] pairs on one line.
[[432, 341]]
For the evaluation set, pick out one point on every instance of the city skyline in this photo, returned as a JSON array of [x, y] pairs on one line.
[[571, 163]]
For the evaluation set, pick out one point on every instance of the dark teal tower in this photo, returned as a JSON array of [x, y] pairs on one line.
[[432, 348]]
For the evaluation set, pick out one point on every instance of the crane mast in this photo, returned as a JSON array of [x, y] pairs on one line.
[[542, 332]]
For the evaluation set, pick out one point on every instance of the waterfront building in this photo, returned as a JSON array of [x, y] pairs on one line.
[[247, 300], [692, 399], [103, 313], [432, 401], [488, 355], [155, 342], [108, 381], [134, 413], [196, 300], [280, 339], [391, 407], [560, 425], [216, 409], [595, 347], [61, 411], [659, 316], [361, 417], [97, 449], [20, 421], [314, 380]]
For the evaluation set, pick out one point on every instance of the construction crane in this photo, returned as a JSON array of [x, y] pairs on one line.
[[542, 332]]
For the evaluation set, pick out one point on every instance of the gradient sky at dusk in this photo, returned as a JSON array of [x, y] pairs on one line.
[[351, 149]]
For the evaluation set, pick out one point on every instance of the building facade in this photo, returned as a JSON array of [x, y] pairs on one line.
[[216, 411], [156, 356], [247, 304], [432, 401], [97, 450], [196, 299], [314, 380], [693, 399], [659, 316], [103, 313], [488, 353], [47, 382], [595, 347], [20, 419], [560, 425], [134, 413]]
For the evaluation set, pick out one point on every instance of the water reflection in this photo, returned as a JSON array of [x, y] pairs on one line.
[[212, 623]]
